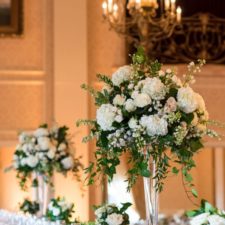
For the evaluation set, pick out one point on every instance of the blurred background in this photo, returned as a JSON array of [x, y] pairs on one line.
[[50, 47]]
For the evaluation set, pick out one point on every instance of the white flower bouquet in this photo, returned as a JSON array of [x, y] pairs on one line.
[[43, 152], [206, 215], [110, 214], [148, 113], [60, 210]]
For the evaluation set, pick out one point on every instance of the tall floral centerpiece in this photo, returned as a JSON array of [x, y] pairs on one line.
[[38, 155], [153, 116]]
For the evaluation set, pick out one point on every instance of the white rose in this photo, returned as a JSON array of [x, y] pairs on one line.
[[216, 220], [142, 100], [171, 105], [114, 219], [186, 100], [200, 219], [67, 162], [121, 75], [32, 161], [130, 106], [55, 211], [119, 118], [155, 125], [106, 116], [132, 123], [62, 147], [119, 100], [154, 88], [44, 143], [40, 132], [23, 161]]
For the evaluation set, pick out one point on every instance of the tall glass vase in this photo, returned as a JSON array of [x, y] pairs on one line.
[[42, 193], [151, 196]]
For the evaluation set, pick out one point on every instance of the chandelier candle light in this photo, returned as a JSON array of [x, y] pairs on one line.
[[148, 21]]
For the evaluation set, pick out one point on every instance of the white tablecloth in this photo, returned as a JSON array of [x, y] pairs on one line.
[[11, 218]]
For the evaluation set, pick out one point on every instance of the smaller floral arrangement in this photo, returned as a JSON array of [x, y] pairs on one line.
[[206, 215], [31, 207], [42, 152], [60, 210], [110, 214]]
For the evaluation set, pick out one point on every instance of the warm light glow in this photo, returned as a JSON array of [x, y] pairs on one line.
[[173, 5], [115, 7], [167, 4], [179, 12], [104, 8], [110, 5]]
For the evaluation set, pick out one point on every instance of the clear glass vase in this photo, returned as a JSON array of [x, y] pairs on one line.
[[42, 193], [151, 196]]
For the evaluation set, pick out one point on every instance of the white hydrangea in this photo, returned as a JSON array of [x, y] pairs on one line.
[[155, 125], [121, 75], [186, 99], [107, 114], [119, 100], [200, 219], [40, 132], [130, 106], [32, 161], [216, 220], [141, 99], [22, 137], [114, 219], [133, 123], [44, 143], [154, 88]]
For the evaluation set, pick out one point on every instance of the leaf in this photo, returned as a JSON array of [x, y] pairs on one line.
[[188, 177], [125, 206], [175, 170], [194, 193], [145, 173], [191, 213], [188, 117], [196, 145], [208, 207]]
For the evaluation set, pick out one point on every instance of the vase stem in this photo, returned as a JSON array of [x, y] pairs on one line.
[[151, 196]]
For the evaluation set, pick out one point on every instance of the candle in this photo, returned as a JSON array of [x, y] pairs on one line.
[[104, 8], [131, 4], [179, 12], [173, 5], [110, 5], [167, 4], [138, 3], [115, 11]]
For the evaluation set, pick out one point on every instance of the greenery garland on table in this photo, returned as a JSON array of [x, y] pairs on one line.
[[147, 112]]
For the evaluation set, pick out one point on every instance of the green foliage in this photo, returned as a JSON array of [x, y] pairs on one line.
[[31, 207]]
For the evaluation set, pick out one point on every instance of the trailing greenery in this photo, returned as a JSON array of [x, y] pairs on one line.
[[151, 115]]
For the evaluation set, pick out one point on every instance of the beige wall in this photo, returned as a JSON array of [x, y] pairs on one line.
[[25, 88], [70, 102]]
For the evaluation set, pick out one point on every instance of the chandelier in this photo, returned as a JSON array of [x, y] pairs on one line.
[[144, 22]]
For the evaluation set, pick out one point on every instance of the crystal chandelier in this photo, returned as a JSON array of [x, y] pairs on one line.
[[142, 21]]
